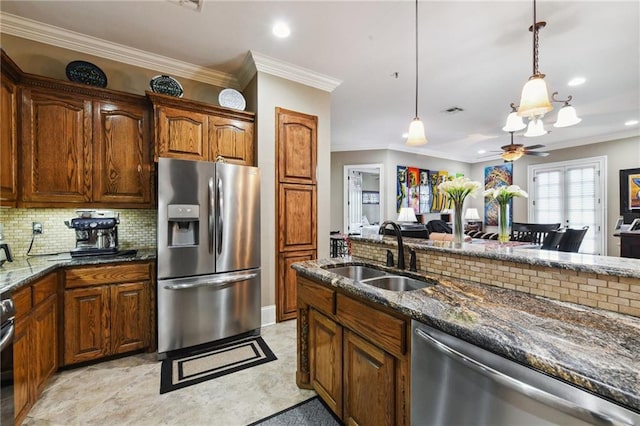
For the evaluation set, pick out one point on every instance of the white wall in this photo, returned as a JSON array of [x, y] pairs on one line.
[[275, 92]]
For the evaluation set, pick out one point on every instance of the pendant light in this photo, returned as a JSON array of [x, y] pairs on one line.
[[534, 99], [416, 128]]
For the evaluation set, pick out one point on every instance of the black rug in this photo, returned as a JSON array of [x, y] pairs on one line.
[[208, 363], [311, 412]]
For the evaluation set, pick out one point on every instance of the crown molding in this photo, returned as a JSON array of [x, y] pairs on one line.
[[59, 37], [269, 65]]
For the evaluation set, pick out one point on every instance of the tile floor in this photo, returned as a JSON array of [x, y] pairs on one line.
[[126, 392]]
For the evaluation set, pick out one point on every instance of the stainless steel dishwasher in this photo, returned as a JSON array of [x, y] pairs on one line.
[[456, 383]]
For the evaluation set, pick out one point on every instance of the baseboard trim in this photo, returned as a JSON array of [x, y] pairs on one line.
[[268, 314]]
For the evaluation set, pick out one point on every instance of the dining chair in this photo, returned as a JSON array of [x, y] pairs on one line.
[[534, 233], [572, 239], [552, 240]]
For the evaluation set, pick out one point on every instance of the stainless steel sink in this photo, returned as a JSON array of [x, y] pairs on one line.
[[357, 272], [397, 283]]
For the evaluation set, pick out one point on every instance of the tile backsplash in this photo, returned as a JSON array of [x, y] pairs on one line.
[[137, 229]]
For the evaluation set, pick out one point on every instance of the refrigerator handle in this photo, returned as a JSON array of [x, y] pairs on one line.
[[212, 208], [220, 196]]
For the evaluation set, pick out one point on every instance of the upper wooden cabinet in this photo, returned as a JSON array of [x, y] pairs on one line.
[[84, 146], [9, 132], [198, 131], [297, 146]]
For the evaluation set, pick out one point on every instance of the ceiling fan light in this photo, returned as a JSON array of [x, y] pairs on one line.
[[536, 128], [416, 133], [511, 155], [514, 123], [534, 100], [567, 117]]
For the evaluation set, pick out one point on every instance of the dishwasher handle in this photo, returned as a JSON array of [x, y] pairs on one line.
[[8, 336], [520, 386]]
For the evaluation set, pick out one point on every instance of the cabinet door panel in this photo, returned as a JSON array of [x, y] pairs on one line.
[[297, 146], [369, 383], [45, 338], [121, 150], [297, 217], [286, 290], [231, 139], [8, 143], [22, 394], [56, 138], [325, 359], [86, 324], [182, 134], [129, 317]]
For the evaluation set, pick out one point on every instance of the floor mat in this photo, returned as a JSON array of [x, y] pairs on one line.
[[311, 412]]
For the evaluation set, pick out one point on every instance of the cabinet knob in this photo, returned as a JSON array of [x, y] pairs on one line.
[[139, 168]]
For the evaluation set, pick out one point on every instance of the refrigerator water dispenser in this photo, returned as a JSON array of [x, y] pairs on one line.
[[183, 221]]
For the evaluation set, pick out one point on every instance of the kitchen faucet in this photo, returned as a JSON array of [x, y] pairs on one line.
[[396, 228]]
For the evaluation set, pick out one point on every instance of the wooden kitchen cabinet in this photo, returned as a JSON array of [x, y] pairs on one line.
[[194, 130], [9, 76], [286, 293], [83, 145], [354, 354], [35, 355], [107, 311]]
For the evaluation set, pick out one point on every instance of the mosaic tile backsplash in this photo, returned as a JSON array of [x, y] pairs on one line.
[[137, 229]]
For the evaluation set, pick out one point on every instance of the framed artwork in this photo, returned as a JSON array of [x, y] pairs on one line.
[[425, 192], [413, 185], [630, 194], [495, 176], [402, 199]]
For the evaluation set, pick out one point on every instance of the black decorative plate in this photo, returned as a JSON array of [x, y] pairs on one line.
[[166, 85], [86, 73]]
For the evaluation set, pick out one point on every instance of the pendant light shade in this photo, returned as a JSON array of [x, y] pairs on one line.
[[534, 101], [511, 155], [567, 117], [536, 128], [416, 133], [514, 123], [416, 128]]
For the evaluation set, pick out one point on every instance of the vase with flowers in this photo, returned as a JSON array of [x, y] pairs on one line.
[[457, 190], [504, 194]]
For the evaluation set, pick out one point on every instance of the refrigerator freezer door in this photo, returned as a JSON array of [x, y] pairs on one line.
[[197, 310], [237, 228]]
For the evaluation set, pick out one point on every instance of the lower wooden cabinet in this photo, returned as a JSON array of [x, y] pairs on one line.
[[35, 348], [355, 355], [107, 311]]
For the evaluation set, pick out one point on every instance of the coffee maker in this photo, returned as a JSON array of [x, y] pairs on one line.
[[96, 233]]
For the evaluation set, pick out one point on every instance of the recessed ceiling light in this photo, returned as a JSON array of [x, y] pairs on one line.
[[281, 30], [577, 81], [631, 123], [482, 151], [405, 135]]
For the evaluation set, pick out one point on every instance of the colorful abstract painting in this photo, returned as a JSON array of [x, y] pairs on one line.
[[425, 192], [414, 188], [634, 192], [402, 200], [495, 176]]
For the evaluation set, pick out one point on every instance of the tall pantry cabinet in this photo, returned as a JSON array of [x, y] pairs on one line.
[[296, 147]]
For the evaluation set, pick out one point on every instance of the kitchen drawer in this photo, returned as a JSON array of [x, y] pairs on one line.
[[320, 297], [106, 274], [45, 288], [381, 328], [22, 301]]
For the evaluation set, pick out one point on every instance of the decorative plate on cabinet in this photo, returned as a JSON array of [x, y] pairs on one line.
[[231, 98], [86, 73], [166, 85]]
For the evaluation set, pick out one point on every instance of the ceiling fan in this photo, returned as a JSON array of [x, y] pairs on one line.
[[514, 151]]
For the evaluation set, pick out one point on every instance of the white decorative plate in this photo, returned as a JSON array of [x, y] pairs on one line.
[[231, 98]]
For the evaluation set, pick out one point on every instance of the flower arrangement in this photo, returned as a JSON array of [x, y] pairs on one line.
[[457, 190], [503, 194]]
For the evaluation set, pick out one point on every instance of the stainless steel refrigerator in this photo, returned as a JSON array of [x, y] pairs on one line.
[[208, 252]]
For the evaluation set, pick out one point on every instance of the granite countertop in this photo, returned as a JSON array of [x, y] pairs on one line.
[[25, 270], [594, 349], [523, 253]]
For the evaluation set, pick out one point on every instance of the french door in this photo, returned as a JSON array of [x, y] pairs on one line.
[[571, 193]]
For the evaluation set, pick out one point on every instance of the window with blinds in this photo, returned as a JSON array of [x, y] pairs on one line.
[[570, 193]]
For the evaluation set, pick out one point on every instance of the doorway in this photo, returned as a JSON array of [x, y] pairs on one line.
[[363, 196], [571, 193]]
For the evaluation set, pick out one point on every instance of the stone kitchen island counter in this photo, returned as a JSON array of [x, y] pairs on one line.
[[594, 349], [23, 271]]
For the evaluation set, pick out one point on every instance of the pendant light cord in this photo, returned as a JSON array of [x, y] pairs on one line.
[[416, 58], [535, 40]]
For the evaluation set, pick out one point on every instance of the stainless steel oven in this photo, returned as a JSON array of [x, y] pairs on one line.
[[7, 314]]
